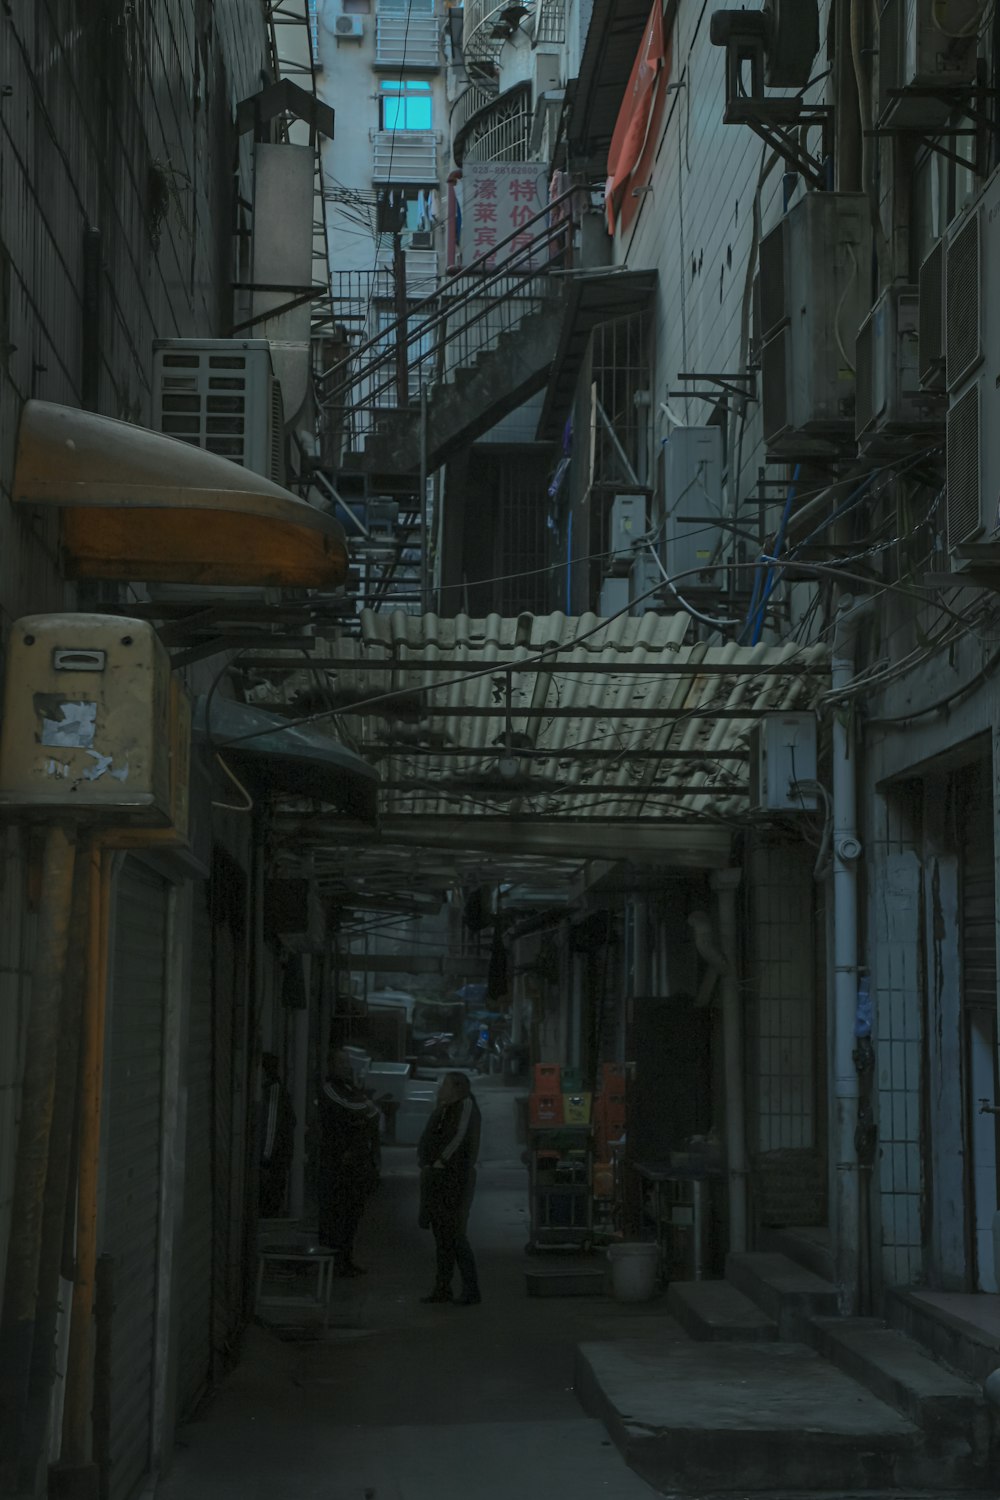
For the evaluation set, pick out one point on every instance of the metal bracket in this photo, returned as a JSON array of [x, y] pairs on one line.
[[741, 387], [959, 102], [779, 123]]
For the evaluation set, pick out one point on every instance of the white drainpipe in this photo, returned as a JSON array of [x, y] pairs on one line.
[[845, 1202]]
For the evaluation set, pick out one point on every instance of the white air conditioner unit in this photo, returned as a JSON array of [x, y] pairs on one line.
[[972, 365], [814, 278], [626, 524], [645, 574], [892, 409], [422, 239], [221, 394], [693, 499], [923, 46], [930, 324], [783, 763], [348, 28], [613, 598]]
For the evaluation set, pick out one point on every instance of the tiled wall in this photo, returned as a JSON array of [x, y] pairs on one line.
[[781, 1063], [100, 102], [895, 879]]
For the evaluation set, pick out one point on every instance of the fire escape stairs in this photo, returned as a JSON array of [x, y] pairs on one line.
[[481, 347]]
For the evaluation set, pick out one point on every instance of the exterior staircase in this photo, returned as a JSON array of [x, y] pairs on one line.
[[480, 347], [763, 1388]]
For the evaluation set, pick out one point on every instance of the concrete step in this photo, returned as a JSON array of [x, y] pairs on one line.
[[711, 1310], [787, 1292], [949, 1409], [962, 1330], [737, 1418], [809, 1247]]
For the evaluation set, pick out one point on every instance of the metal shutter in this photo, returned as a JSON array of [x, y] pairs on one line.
[[194, 1279], [132, 1206]]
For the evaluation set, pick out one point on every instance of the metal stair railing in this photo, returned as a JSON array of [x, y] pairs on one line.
[[487, 301]]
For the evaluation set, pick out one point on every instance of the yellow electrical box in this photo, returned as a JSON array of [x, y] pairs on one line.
[[94, 724]]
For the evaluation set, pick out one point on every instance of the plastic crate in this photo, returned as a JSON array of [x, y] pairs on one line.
[[545, 1109], [577, 1108], [547, 1079]]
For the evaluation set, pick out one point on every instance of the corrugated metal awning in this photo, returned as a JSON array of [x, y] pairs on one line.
[[623, 741], [590, 301], [136, 506]]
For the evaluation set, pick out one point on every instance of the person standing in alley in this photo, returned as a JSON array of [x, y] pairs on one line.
[[348, 1166], [447, 1153], [277, 1136]]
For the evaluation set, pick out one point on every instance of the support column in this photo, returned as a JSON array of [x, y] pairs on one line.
[[725, 884]]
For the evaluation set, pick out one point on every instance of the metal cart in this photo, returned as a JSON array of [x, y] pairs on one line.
[[560, 1188]]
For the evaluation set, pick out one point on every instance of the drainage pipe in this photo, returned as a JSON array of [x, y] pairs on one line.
[[725, 884], [845, 1199]]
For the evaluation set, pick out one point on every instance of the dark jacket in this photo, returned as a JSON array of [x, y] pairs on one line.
[[447, 1153], [349, 1141]]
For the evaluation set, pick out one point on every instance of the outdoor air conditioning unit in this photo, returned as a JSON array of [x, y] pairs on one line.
[[645, 574], [930, 322], [627, 523], [972, 365], [923, 46], [693, 501], [613, 598], [814, 275], [222, 395], [349, 28], [422, 239], [783, 763], [891, 406]]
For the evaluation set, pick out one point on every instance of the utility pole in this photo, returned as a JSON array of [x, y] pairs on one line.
[[399, 281]]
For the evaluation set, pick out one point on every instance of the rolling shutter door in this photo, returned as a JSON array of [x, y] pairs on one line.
[[194, 1280], [132, 1204]]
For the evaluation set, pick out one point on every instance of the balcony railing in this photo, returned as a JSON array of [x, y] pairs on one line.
[[406, 156], [407, 42], [501, 131]]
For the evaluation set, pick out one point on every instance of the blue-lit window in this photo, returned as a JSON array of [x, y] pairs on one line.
[[406, 105]]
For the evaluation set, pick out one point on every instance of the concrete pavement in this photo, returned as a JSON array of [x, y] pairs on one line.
[[405, 1402]]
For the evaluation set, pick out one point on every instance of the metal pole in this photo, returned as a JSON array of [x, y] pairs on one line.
[[399, 287], [424, 548], [38, 1089]]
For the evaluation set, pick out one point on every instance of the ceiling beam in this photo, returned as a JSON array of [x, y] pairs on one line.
[[694, 845], [558, 668], [412, 963], [386, 752]]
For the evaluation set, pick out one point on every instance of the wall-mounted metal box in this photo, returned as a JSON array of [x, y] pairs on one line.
[[692, 488], [92, 721]]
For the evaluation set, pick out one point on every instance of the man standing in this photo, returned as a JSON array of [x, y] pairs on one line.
[[447, 1153], [277, 1135], [348, 1166]]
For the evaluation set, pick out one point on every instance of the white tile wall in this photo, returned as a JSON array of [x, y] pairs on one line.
[[896, 983]]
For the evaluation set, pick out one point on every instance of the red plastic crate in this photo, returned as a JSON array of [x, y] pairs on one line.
[[612, 1078], [548, 1079], [545, 1109]]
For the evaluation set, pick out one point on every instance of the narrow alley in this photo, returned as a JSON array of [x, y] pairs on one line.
[[400, 1401]]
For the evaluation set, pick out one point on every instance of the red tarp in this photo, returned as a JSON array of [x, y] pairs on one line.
[[630, 158]]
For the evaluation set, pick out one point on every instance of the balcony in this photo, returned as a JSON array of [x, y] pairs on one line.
[[500, 130], [406, 156], [407, 42]]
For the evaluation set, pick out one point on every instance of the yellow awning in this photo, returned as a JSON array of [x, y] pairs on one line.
[[138, 506]]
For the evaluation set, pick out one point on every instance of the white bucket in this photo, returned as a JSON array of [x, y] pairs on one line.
[[633, 1271]]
